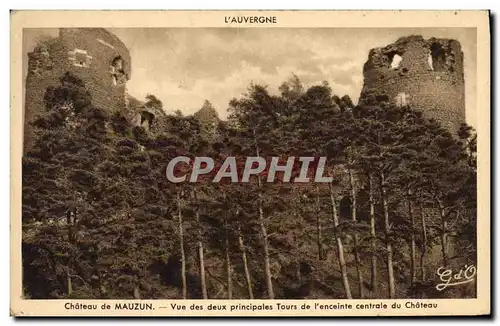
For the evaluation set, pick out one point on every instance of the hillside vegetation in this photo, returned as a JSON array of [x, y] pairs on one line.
[[101, 220]]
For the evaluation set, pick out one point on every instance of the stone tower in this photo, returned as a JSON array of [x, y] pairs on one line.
[[95, 55], [426, 74]]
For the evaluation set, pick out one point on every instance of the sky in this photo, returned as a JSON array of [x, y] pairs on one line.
[[186, 66]]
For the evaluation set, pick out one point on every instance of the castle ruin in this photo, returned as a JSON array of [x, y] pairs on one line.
[[425, 74], [94, 55]]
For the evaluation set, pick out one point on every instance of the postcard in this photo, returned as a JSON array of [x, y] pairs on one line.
[[250, 163]]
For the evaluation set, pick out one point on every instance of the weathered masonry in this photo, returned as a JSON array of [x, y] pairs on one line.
[[426, 74], [96, 56]]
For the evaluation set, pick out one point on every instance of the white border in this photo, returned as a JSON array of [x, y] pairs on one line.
[[214, 4]]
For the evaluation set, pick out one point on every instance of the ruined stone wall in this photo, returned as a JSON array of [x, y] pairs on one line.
[[89, 54], [426, 74]]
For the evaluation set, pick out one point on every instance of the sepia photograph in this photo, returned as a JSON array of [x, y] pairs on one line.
[[254, 162]]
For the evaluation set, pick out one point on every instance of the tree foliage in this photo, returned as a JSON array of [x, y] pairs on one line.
[[101, 220]]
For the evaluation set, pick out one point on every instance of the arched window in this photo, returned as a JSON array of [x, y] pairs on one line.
[[118, 76], [147, 119], [396, 61], [117, 63], [438, 57]]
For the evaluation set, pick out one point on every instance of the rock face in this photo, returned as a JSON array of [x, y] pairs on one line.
[[96, 56], [426, 74]]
